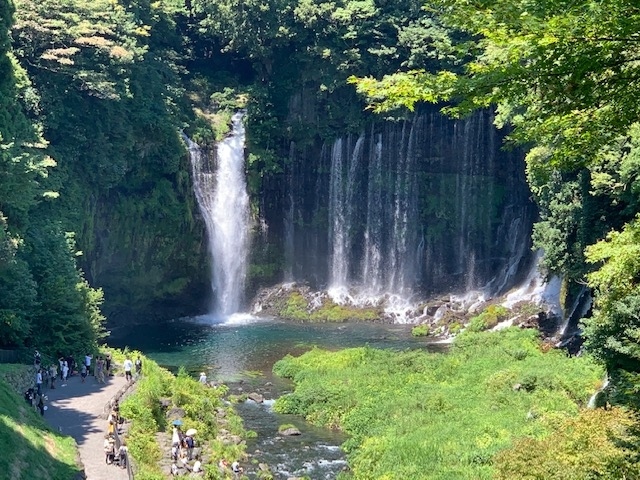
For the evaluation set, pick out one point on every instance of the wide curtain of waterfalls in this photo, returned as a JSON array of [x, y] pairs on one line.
[[427, 204], [220, 187]]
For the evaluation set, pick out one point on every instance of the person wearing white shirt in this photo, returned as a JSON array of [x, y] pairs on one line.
[[128, 365]]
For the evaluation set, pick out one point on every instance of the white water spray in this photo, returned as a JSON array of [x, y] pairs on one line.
[[223, 200]]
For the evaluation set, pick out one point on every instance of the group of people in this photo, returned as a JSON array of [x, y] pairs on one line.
[[114, 455], [103, 368], [36, 399], [128, 368], [182, 452]]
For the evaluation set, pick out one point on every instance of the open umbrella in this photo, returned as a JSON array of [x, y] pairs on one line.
[[177, 423], [191, 432]]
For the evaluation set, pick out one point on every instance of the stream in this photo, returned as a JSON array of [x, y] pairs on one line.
[[241, 352]]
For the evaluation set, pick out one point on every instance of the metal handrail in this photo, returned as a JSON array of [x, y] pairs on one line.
[[126, 455]]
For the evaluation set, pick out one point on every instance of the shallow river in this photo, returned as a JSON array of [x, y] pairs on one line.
[[241, 352]]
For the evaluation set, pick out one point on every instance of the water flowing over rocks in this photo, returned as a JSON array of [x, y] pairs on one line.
[[444, 315]]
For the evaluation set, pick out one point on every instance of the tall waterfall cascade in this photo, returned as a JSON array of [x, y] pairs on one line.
[[426, 205], [220, 188]]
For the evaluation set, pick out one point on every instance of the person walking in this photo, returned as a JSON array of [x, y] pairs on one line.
[[83, 372], [107, 365], [60, 363], [87, 362], [138, 366], [109, 449], [65, 371], [100, 370], [40, 405], [39, 381], [128, 365], [53, 374]]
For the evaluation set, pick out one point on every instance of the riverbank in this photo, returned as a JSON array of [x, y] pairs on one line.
[[475, 412]]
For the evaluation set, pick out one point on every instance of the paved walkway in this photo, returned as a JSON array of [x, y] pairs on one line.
[[77, 409]]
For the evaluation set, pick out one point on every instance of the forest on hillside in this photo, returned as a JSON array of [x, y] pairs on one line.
[[95, 189]]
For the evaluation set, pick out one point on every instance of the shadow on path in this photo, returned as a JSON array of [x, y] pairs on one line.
[[78, 409]]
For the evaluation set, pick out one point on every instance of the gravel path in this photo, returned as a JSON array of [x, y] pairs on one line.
[[78, 410]]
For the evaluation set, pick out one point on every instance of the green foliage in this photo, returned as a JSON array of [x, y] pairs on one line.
[[612, 331], [297, 307], [489, 318], [37, 452], [420, 330], [594, 444], [402, 409]]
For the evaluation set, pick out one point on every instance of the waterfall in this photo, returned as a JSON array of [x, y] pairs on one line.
[[224, 203], [342, 206], [422, 206]]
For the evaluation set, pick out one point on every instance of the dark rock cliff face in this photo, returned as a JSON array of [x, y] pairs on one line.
[[147, 250], [426, 205], [421, 206]]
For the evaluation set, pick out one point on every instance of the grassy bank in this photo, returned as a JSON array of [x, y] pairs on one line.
[[158, 393], [443, 416], [31, 450]]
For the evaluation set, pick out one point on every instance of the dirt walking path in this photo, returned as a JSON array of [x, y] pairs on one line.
[[78, 410]]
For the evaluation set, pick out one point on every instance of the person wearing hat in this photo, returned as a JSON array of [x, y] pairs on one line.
[[203, 378]]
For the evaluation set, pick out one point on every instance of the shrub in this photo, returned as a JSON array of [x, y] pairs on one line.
[[420, 330]]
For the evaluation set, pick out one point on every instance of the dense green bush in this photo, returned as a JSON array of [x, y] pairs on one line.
[[489, 318], [420, 330]]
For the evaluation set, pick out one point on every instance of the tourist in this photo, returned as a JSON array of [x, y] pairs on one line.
[[29, 396], [60, 363], [109, 449], [203, 378], [188, 441], [37, 359], [128, 365], [40, 404], [83, 372], [53, 374], [112, 422], [236, 468], [65, 371], [39, 381], [87, 362], [176, 442], [122, 455], [107, 364], [138, 366], [71, 363], [100, 370]]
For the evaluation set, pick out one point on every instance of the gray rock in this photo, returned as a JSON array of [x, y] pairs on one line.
[[256, 397]]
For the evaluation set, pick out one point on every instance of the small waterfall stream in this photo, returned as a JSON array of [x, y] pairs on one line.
[[221, 191]]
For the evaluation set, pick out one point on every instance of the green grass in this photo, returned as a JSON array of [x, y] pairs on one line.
[[438, 416], [32, 451]]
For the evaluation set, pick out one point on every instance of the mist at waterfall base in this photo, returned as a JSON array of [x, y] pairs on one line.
[[242, 355]]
